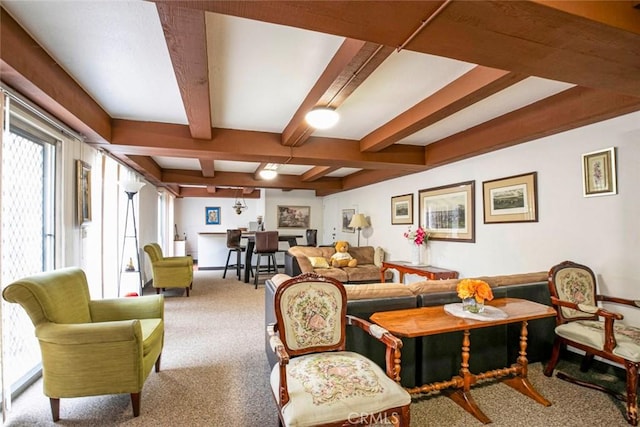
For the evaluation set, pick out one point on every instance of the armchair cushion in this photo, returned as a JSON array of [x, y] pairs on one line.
[[591, 333], [323, 387]]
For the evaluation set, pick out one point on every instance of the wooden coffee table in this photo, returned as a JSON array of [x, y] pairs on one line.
[[424, 321], [428, 271]]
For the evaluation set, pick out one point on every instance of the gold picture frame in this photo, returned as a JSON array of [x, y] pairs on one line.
[[599, 173], [511, 199], [402, 209], [83, 192], [448, 212]]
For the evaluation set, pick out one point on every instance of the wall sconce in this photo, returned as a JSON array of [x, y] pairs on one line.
[[359, 221]]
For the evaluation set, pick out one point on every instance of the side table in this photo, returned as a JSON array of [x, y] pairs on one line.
[[428, 271]]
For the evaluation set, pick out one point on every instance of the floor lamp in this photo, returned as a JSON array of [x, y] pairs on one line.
[[359, 221], [131, 188]]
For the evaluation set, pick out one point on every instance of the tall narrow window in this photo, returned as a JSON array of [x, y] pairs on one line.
[[28, 236]]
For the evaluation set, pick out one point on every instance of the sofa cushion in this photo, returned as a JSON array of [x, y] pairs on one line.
[[428, 286], [318, 262], [363, 254], [363, 273], [515, 279], [377, 290]]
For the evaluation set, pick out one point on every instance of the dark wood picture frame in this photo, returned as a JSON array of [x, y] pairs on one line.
[[448, 212], [294, 216], [402, 209], [511, 199]]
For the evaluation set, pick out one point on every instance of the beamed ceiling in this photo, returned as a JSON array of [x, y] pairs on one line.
[[198, 96]]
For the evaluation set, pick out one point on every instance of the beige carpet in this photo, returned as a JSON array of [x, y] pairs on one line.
[[214, 373]]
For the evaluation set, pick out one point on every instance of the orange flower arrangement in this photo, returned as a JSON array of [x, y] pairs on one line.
[[472, 288]]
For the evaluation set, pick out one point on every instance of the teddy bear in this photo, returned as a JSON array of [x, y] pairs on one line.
[[342, 258]]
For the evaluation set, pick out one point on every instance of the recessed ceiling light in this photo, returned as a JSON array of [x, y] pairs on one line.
[[322, 117]]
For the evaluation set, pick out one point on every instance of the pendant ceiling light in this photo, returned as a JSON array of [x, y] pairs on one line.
[[239, 206], [322, 117]]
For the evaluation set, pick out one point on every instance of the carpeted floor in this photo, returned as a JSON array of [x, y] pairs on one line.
[[215, 373]]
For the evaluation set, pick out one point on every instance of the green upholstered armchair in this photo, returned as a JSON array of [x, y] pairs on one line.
[[90, 347], [169, 272]]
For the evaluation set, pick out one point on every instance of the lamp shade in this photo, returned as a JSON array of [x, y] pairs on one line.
[[359, 221], [131, 186], [322, 117]]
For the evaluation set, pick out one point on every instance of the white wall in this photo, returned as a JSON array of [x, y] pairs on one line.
[[602, 232], [190, 217]]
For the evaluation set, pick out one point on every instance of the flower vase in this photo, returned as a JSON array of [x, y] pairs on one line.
[[472, 306], [415, 254]]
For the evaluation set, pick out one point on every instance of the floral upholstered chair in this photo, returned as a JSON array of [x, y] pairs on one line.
[[581, 323], [316, 381]]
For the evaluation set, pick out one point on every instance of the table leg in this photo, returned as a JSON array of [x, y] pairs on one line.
[[462, 395], [382, 270], [247, 260], [520, 381]]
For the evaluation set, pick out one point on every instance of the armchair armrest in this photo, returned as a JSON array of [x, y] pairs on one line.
[[624, 301], [283, 360], [393, 344], [144, 307], [90, 333], [609, 318], [172, 263]]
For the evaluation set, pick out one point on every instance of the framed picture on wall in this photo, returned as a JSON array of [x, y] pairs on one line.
[[599, 173], [83, 191], [402, 209], [212, 215], [448, 212], [294, 216], [512, 199], [347, 214]]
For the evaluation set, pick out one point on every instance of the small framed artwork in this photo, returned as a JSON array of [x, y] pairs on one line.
[[83, 191], [212, 215], [599, 173], [511, 199], [448, 212], [402, 209], [294, 216], [347, 214]]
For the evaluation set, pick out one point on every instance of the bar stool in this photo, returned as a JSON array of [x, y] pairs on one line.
[[233, 243], [266, 245]]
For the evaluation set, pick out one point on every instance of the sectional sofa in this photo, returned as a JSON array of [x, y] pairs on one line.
[[438, 357], [302, 259]]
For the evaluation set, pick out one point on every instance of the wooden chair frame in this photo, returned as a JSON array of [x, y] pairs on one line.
[[400, 416], [594, 313]]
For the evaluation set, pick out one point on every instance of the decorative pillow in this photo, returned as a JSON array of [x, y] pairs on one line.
[[378, 257], [318, 262]]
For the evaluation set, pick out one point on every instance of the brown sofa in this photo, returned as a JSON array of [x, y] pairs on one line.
[[298, 261]]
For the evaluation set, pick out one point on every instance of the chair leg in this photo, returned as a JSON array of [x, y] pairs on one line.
[[55, 408], [275, 264], [135, 403], [158, 362], [586, 362], [157, 290], [553, 361], [187, 288], [226, 265], [255, 281], [632, 390], [238, 263]]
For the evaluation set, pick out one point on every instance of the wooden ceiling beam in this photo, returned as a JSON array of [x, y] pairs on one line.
[[227, 193], [526, 37], [237, 179], [186, 36], [572, 108], [318, 172], [478, 83], [208, 167], [27, 68], [211, 189], [161, 139], [354, 61]]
